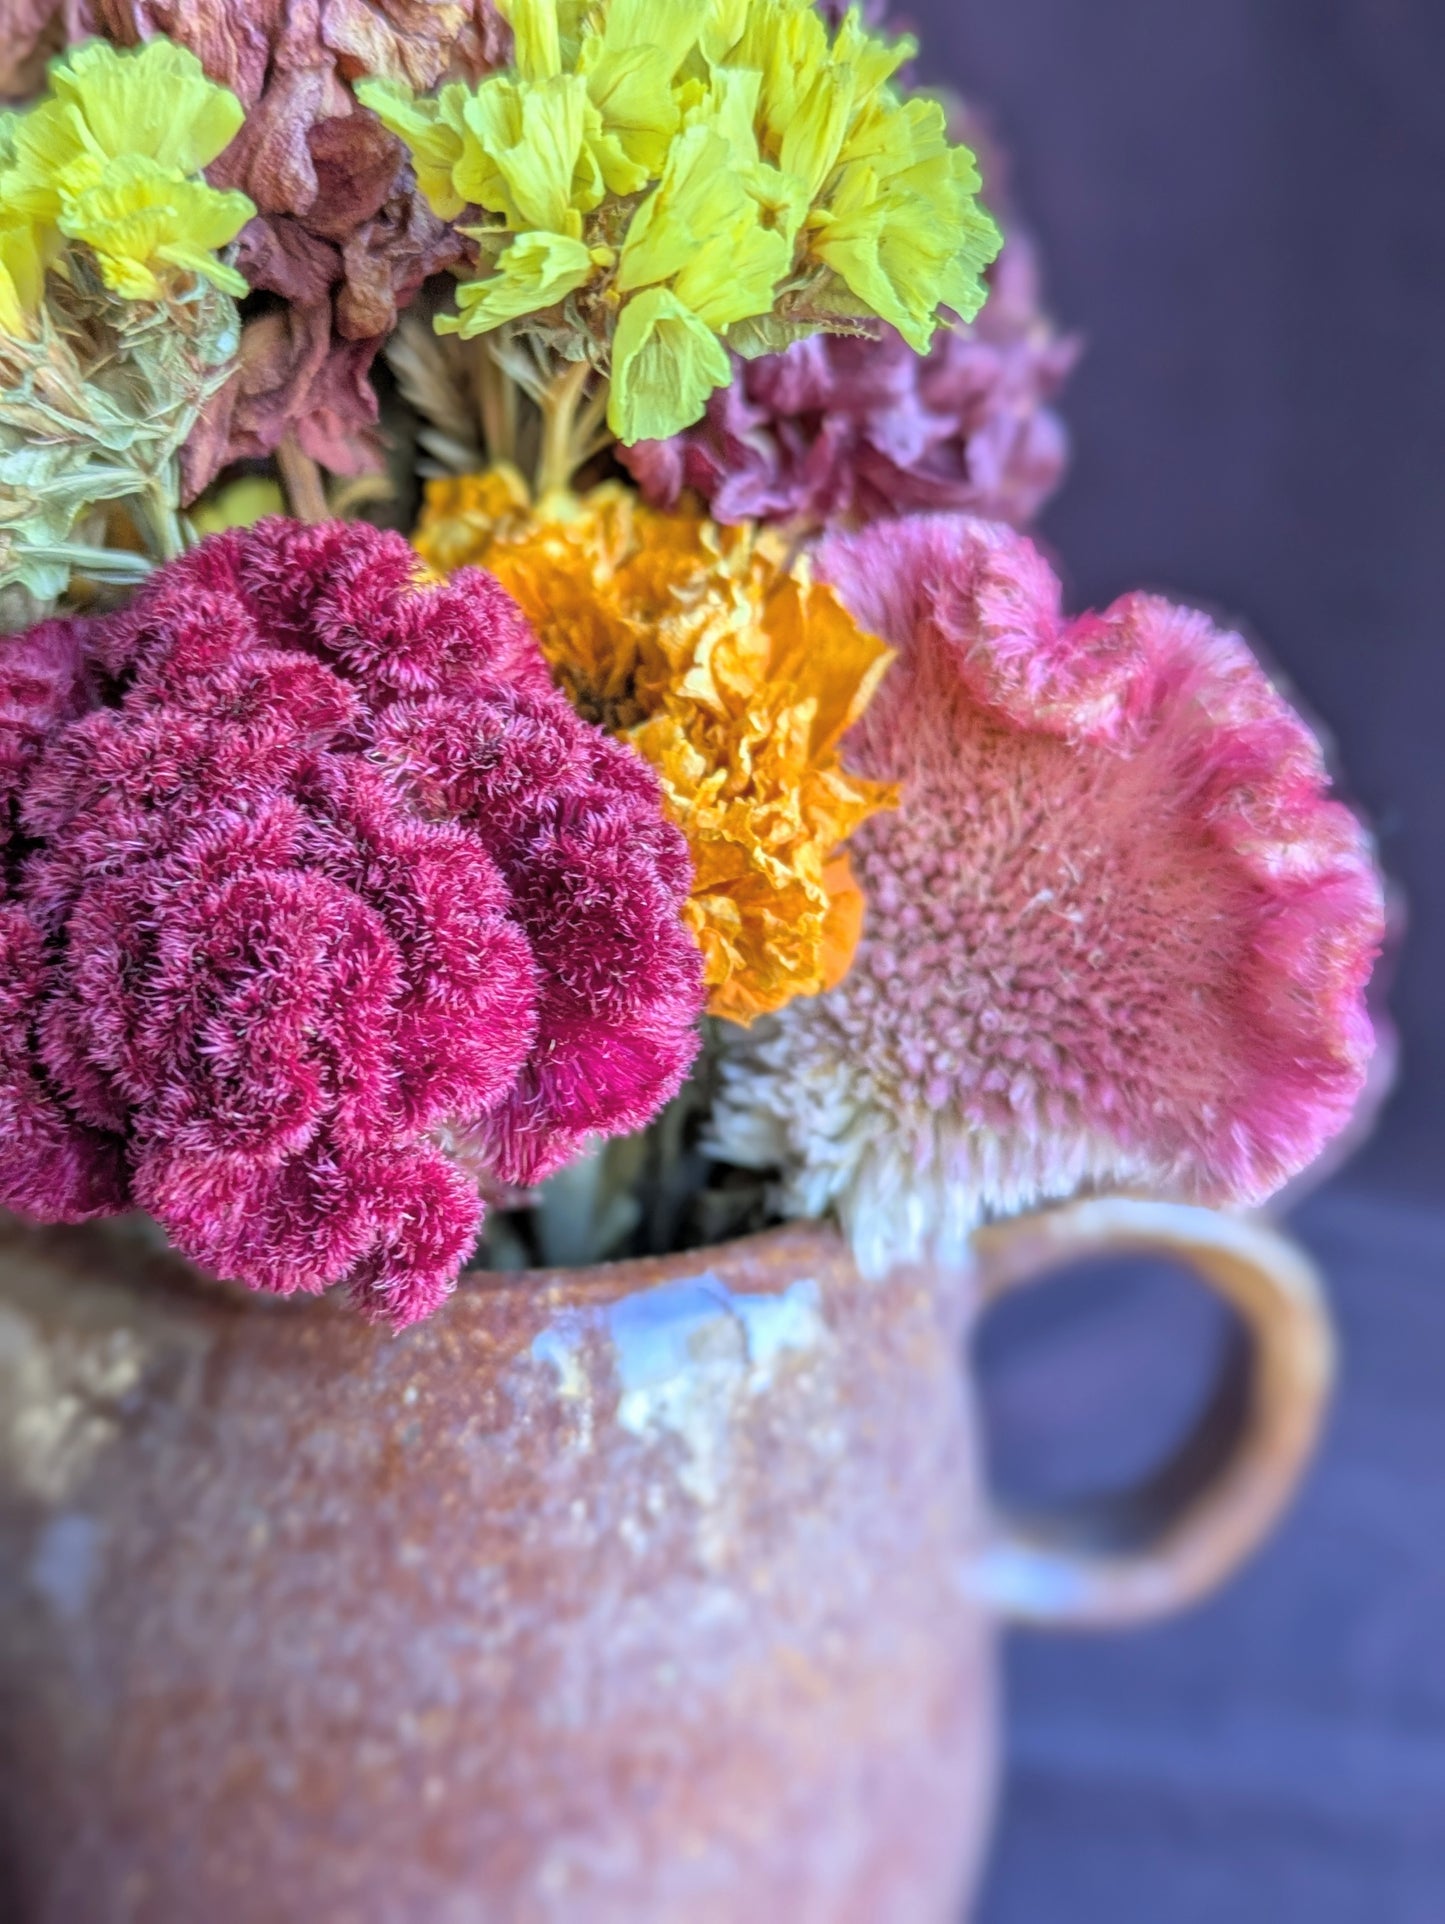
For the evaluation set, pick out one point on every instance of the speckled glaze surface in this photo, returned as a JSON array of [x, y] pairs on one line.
[[635, 1594]]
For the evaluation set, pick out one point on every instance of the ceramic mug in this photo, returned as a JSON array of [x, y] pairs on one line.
[[663, 1592]]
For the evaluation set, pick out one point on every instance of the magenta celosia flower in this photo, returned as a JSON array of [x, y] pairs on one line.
[[1117, 934], [43, 686], [327, 895], [847, 431]]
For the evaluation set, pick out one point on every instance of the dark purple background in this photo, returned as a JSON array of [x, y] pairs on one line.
[[1242, 207]]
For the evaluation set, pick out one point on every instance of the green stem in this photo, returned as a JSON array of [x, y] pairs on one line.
[[115, 567], [559, 457], [155, 511], [593, 433], [163, 519]]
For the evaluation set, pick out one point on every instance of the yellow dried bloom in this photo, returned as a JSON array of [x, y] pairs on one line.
[[22, 265], [726, 174], [666, 361], [112, 158], [21, 276], [736, 677], [155, 101], [536, 270], [117, 322], [141, 219]]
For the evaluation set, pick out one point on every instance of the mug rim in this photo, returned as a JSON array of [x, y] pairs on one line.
[[157, 1270]]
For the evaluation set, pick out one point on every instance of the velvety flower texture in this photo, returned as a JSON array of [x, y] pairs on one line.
[[847, 431], [342, 235], [1118, 935], [329, 896], [44, 1150]]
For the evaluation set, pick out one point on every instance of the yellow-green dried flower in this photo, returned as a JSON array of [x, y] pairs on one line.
[[666, 361], [22, 269], [536, 271], [117, 318], [112, 156], [154, 101], [22, 274], [141, 218], [660, 180]]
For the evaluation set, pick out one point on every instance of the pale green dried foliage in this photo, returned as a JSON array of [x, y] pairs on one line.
[[95, 410]]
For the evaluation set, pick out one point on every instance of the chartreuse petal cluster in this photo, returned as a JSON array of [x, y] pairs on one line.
[[22, 271], [111, 158], [118, 320], [22, 275], [657, 181]]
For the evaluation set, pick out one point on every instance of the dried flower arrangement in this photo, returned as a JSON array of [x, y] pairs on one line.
[[708, 814]]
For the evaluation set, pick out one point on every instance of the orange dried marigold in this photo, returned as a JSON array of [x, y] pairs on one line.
[[735, 675]]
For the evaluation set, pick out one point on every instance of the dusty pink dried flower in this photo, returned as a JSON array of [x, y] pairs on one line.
[[342, 233], [847, 431], [1117, 932], [329, 883]]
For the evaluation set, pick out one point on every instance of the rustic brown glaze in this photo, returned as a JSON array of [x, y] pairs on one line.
[[631, 1595], [661, 1593]]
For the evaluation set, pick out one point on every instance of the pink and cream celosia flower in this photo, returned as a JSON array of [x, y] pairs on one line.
[[1118, 935], [318, 892]]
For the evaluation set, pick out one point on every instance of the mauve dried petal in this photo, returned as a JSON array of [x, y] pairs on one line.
[[415, 40], [385, 260], [286, 258], [354, 159], [270, 159], [31, 30], [293, 376]]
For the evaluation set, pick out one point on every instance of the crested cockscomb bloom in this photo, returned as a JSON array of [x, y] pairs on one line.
[[840, 431], [322, 893], [44, 685], [1118, 934]]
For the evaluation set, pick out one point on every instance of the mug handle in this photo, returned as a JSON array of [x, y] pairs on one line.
[[1136, 1557]]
